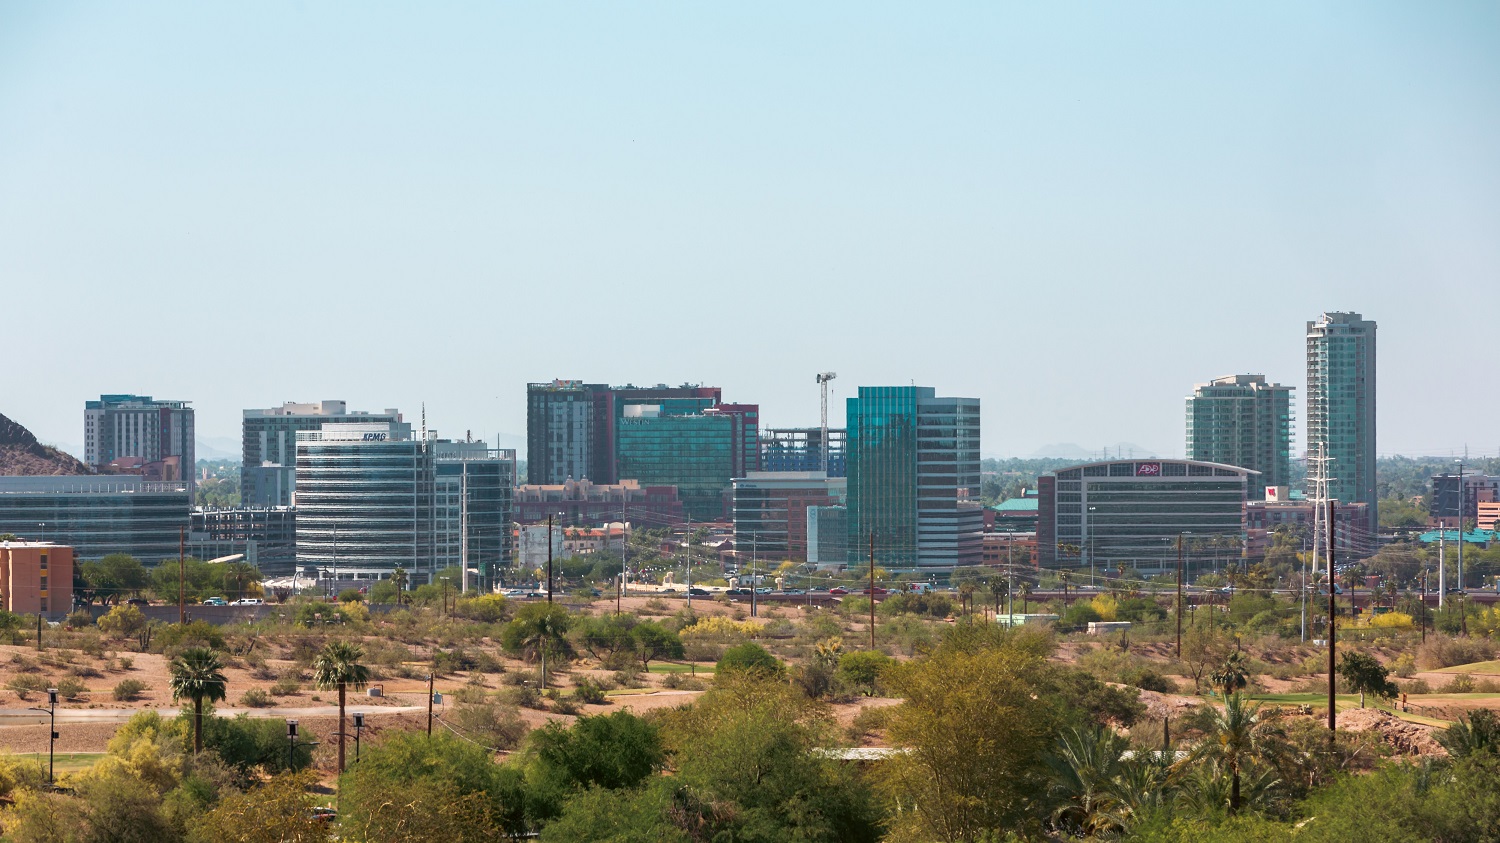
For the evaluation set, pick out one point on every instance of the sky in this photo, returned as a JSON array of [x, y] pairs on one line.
[[1072, 211]]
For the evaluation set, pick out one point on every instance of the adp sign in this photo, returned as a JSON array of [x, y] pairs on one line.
[[1148, 469]]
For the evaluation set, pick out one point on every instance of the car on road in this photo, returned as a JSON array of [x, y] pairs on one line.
[[698, 592], [248, 601], [736, 592], [838, 589], [138, 601], [878, 591], [215, 601], [794, 591]]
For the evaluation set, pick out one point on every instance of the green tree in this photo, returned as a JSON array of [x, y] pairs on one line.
[[1085, 766], [652, 641], [1480, 732], [862, 669], [115, 575], [122, 622], [1364, 673], [415, 788], [975, 746], [337, 666], [1233, 675], [278, 810], [198, 674], [750, 657], [1236, 739], [612, 751], [538, 631]]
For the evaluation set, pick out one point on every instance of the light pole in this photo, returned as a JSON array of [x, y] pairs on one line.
[[359, 725], [51, 712], [1460, 526], [291, 744]]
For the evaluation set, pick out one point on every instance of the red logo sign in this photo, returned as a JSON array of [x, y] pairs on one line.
[[1148, 469]]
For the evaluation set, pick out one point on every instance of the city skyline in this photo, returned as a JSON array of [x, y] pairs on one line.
[[1138, 199]]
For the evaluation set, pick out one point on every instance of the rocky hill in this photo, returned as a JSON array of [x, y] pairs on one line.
[[20, 453]]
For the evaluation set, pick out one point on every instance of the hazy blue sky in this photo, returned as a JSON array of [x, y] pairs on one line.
[[1072, 211]]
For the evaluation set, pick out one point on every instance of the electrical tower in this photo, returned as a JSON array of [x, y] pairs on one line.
[[823, 379]]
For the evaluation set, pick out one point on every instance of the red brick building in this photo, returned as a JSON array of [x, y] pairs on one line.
[[36, 577]]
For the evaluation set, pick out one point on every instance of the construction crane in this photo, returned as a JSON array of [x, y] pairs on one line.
[[823, 379]]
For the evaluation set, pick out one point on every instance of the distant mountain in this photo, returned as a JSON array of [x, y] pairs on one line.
[[217, 448], [1073, 451], [22, 454]]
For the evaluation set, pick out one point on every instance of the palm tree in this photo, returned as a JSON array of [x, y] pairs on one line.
[[966, 596], [1084, 767], [1025, 597], [198, 674], [337, 666], [1233, 675], [398, 578], [1235, 740]]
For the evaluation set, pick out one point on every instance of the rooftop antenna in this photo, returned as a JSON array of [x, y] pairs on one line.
[[823, 379]]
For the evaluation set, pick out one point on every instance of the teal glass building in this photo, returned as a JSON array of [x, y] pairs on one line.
[[696, 453], [913, 472], [1341, 407], [1243, 420]]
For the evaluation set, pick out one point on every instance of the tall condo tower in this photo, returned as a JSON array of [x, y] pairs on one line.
[[1341, 405], [1243, 421]]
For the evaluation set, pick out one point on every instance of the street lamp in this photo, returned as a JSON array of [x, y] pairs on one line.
[[359, 725], [291, 744], [51, 712]]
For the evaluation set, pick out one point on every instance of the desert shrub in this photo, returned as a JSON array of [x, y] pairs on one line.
[[69, 688], [490, 608], [83, 671], [1148, 679], [718, 627], [657, 606], [286, 686], [750, 658], [682, 682], [79, 619], [1392, 621], [29, 683], [256, 698], [522, 696], [1463, 683], [126, 663], [629, 677], [193, 634], [1080, 615], [1417, 686], [122, 621], [521, 677], [127, 690], [1442, 651], [869, 720], [1404, 666], [930, 605], [586, 691], [470, 695]]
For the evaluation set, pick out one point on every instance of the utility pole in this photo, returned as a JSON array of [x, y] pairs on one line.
[[1442, 565], [1332, 634], [1460, 530], [549, 558], [872, 589], [688, 543], [1179, 595], [752, 577], [429, 705], [181, 574]]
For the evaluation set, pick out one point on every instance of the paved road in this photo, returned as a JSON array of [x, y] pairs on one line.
[[23, 717]]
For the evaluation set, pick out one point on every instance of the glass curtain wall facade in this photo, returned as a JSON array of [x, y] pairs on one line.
[[882, 505], [950, 518], [695, 453], [364, 501], [97, 516], [1132, 511], [827, 536], [770, 511], [1341, 406], [474, 505], [1242, 420], [269, 446]]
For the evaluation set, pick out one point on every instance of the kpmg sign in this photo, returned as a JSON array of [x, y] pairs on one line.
[[374, 437]]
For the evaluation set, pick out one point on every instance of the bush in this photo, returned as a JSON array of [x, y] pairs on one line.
[[1463, 683], [682, 682], [351, 595], [629, 677], [29, 683], [128, 690], [493, 725], [586, 691], [69, 688], [256, 698], [1148, 679], [750, 658], [246, 742], [286, 686], [193, 634], [1442, 651], [122, 621]]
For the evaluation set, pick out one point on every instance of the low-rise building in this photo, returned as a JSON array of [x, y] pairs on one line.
[[36, 577], [97, 515], [266, 536], [770, 510], [586, 502]]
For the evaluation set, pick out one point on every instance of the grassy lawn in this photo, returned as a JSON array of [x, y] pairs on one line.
[[673, 667], [1475, 669], [66, 762], [1347, 702]]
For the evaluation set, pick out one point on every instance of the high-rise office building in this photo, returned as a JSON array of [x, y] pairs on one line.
[[140, 432], [1341, 407], [801, 449], [1243, 420], [696, 452], [269, 444], [571, 426], [770, 511], [914, 478], [365, 500], [473, 507]]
